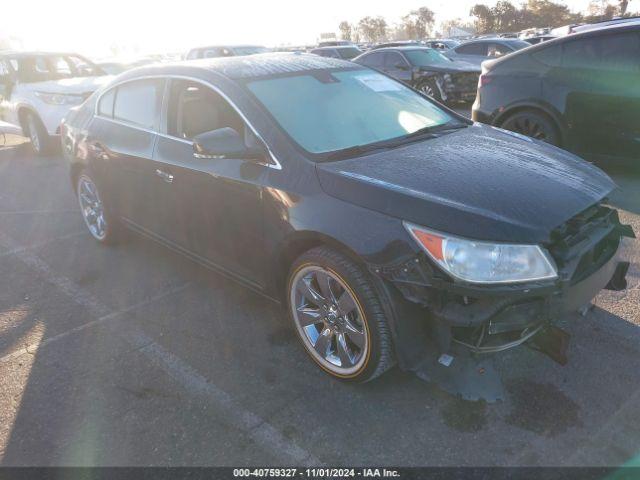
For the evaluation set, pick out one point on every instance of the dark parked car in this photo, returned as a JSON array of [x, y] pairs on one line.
[[477, 51], [581, 92], [343, 52], [379, 219], [426, 70], [335, 43], [214, 51], [400, 43]]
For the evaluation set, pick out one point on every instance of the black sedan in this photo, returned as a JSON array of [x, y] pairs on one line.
[[580, 92], [427, 70], [393, 230]]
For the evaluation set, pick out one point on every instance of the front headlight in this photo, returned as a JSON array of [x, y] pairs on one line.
[[484, 262], [60, 98]]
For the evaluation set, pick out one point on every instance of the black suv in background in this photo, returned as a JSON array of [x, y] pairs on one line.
[[580, 92]]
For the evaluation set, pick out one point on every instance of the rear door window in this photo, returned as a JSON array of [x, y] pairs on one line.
[[550, 56], [619, 52], [473, 49], [393, 59], [138, 102], [375, 60], [498, 50]]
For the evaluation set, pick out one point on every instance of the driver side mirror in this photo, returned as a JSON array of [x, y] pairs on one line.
[[225, 143]]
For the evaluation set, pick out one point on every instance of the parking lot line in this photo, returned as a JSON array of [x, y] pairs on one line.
[[31, 347], [38, 245], [260, 431], [38, 212]]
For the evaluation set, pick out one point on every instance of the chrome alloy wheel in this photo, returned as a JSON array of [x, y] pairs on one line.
[[329, 320], [91, 207], [427, 89]]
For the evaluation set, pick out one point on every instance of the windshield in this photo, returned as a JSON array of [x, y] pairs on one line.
[[349, 52], [41, 68], [426, 57], [249, 50], [328, 111]]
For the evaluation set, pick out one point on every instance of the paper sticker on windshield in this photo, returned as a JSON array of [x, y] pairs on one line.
[[379, 83]]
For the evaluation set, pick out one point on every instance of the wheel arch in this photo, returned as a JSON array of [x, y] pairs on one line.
[[294, 246], [22, 111], [547, 110], [409, 335]]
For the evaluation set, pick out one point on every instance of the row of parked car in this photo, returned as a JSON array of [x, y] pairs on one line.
[[580, 92]]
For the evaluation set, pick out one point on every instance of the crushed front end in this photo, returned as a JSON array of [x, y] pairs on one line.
[[459, 86], [468, 321]]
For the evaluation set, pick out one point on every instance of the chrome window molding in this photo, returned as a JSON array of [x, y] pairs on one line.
[[276, 165]]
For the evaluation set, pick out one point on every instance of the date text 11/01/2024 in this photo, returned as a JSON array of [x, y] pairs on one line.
[[317, 472]]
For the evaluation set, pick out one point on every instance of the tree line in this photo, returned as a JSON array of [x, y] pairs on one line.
[[503, 17]]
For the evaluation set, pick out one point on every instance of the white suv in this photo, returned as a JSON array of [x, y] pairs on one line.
[[37, 90]]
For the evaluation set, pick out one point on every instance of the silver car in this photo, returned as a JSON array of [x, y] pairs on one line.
[[477, 51]]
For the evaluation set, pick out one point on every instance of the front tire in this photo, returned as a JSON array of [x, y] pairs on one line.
[[41, 142], [339, 316], [430, 88], [98, 218]]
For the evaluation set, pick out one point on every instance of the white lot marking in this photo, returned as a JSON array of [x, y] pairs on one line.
[[30, 347], [263, 433], [38, 212], [39, 245]]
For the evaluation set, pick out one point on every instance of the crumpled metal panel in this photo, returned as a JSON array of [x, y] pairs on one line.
[[480, 182]]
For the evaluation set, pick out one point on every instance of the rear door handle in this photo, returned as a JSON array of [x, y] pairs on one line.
[[167, 177]]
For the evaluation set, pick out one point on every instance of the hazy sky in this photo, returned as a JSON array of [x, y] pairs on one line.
[[91, 26]]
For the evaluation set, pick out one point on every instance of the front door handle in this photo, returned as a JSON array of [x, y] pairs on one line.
[[167, 177]]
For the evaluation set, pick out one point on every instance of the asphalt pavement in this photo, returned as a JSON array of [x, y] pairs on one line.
[[133, 355]]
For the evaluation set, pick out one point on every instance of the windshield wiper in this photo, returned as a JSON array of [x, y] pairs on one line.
[[427, 131], [355, 151], [424, 133]]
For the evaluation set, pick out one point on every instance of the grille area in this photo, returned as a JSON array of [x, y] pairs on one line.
[[586, 242], [466, 81]]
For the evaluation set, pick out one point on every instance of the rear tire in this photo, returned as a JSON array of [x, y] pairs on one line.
[[41, 142], [339, 316], [96, 211], [534, 124]]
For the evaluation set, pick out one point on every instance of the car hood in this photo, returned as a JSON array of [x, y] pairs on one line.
[[78, 85], [454, 66], [479, 182]]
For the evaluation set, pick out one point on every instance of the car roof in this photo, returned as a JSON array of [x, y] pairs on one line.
[[568, 38], [247, 67], [401, 48], [619, 22], [491, 40], [239, 45], [336, 47]]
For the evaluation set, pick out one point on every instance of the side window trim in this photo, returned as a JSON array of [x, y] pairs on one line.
[[163, 131], [275, 163], [156, 121]]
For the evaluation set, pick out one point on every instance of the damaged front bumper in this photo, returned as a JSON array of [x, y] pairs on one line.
[[465, 321], [461, 87]]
